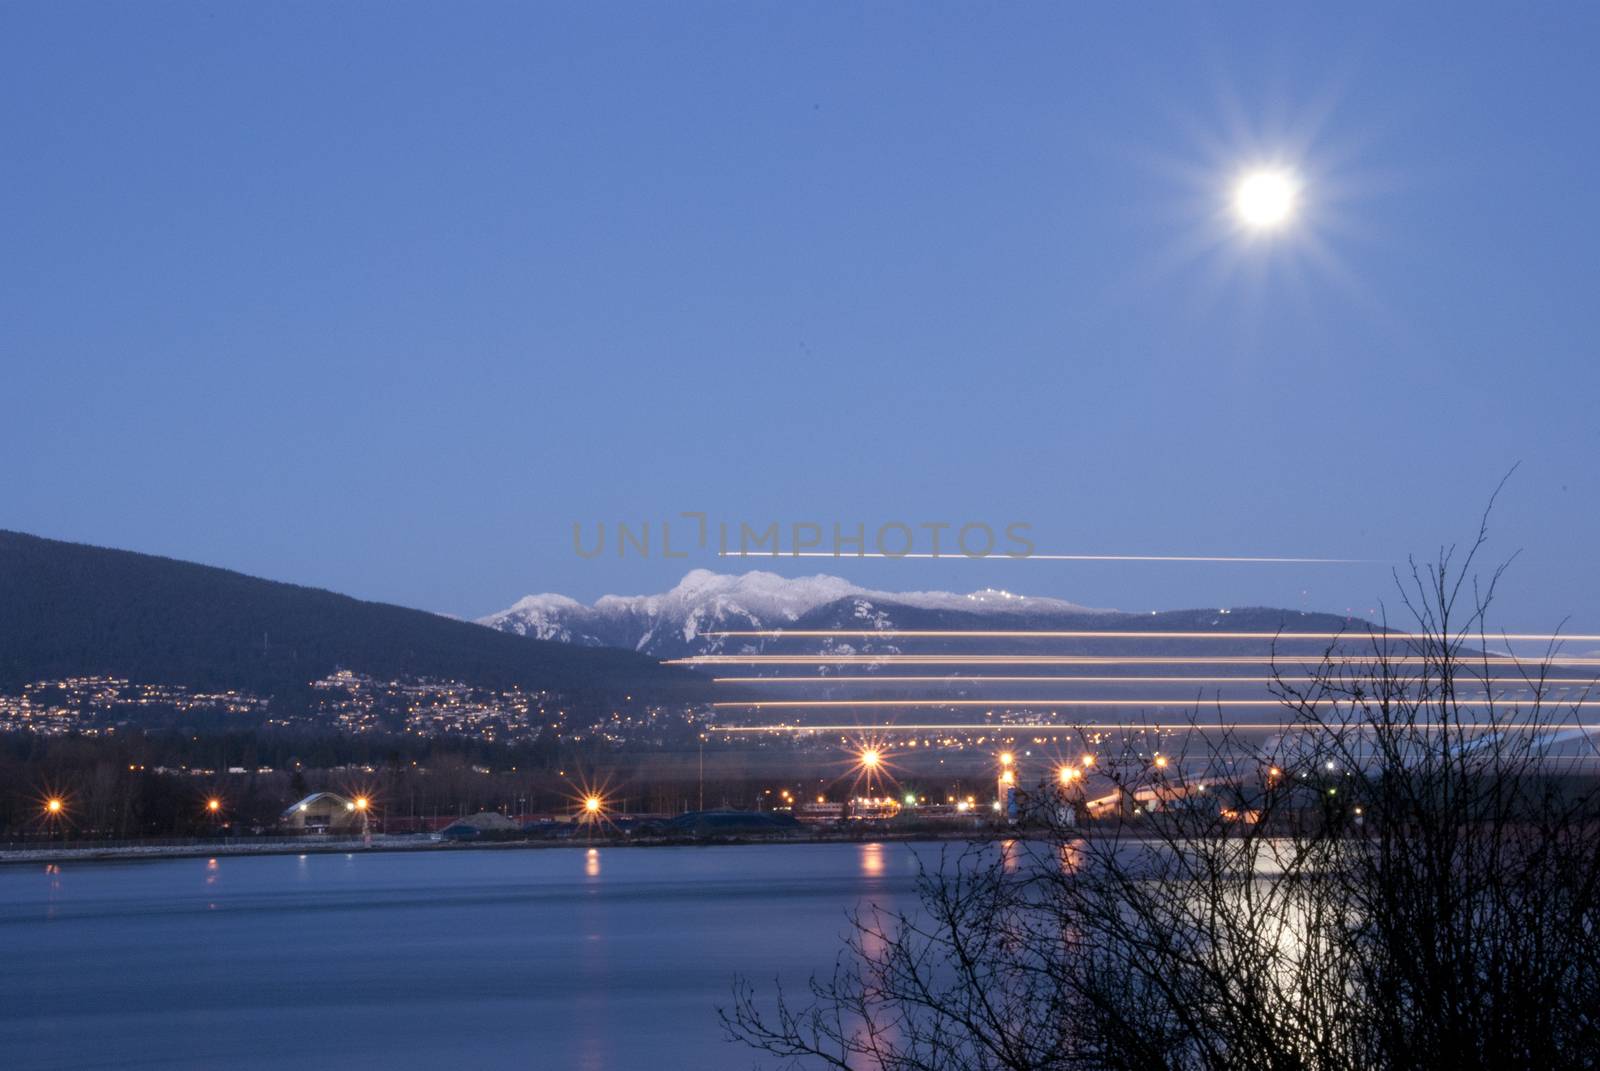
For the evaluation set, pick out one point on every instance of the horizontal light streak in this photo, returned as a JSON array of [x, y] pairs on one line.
[[1138, 634], [1143, 678], [1248, 559], [1034, 727], [809, 704], [1083, 660]]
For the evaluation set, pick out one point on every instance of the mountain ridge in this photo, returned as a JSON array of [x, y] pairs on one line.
[[71, 609], [686, 620]]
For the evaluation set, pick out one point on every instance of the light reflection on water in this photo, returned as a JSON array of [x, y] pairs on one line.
[[485, 959]]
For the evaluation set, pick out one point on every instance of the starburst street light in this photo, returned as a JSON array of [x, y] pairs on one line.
[[872, 762], [54, 806], [591, 800], [213, 805]]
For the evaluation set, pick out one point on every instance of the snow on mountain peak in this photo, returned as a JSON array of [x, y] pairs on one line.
[[706, 602]]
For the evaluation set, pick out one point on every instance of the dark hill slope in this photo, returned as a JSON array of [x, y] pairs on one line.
[[68, 609]]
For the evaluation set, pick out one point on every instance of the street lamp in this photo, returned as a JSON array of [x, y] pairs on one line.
[[55, 814], [871, 760], [362, 805]]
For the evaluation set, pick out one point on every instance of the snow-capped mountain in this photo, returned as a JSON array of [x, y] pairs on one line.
[[690, 620], [817, 619], [677, 623]]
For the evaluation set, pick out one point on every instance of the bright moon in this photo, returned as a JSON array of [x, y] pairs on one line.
[[1265, 199]]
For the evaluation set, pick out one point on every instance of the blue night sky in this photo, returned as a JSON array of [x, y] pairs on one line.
[[383, 298]]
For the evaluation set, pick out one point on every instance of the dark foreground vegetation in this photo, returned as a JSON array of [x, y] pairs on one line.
[[1438, 906]]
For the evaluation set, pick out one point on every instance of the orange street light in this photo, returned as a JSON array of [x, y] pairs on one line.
[[1161, 762], [592, 804], [1068, 775], [53, 806], [213, 805]]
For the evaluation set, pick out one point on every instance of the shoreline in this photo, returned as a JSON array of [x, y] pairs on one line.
[[153, 852]]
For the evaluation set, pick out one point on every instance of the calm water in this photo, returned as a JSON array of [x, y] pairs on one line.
[[611, 958]]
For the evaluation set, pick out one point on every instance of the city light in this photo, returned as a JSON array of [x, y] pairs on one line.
[[213, 805], [53, 806], [871, 758], [592, 804], [1068, 775], [1161, 762], [1087, 760], [362, 803], [1006, 758], [1008, 777]]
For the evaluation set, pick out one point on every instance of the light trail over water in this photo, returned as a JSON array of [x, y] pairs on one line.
[[1139, 634], [1068, 678], [1087, 660], [1204, 558], [766, 704], [1120, 726]]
